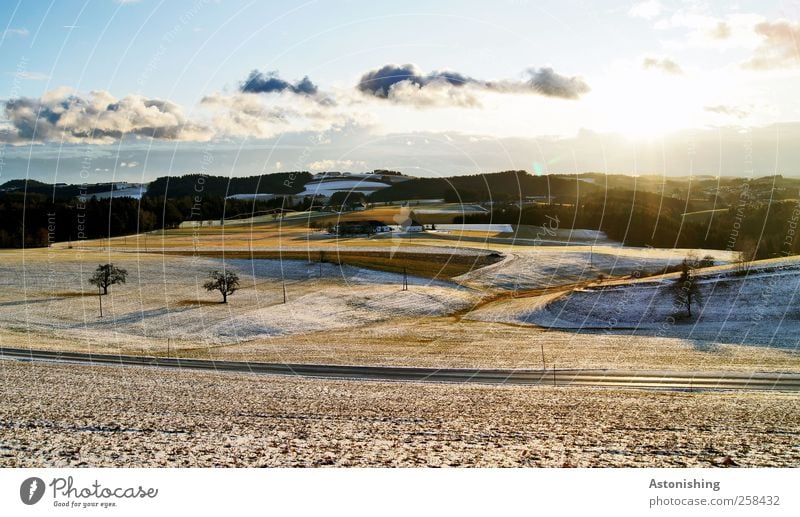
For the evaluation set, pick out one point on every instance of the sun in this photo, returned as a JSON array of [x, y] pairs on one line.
[[647, 105]]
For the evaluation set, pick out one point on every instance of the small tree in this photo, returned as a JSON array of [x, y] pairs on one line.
[[707, 261], [686, 288], [107, 275], [748, 250], [226, 282]]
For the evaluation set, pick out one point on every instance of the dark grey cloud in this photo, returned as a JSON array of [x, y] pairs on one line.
[[270, 82], [392, 82], [380, 82], [546, 81], [96, 118]]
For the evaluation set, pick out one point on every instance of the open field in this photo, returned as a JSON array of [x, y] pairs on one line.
[[471, 302], [353, 315], [104, 416], [295, 233], [758, 307]]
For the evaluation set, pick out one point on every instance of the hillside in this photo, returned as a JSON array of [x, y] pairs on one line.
[[497, 186], [758, 307], [221, 186]]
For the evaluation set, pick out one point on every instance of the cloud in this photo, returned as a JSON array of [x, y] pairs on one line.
[[730, 111], [382, 81], [269, 82], [245, 114], [779, 47], [30, 76], [547, 82], [98, 118], [331, 165], [407, 84], [21, 33], [722, 30], [647, 10], [665, 65]]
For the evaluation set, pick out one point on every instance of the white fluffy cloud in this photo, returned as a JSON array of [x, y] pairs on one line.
[[647, 10], [257, 115], [332, 165], [96, 118], [663, 64], [778, 47]]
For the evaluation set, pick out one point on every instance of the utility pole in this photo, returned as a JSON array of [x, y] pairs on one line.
[[405, 279], [168, 340], [554, 374], [284, 291], [100, 297], [543, 363]]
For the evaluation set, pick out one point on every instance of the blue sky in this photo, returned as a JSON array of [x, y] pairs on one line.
[[570, 86]]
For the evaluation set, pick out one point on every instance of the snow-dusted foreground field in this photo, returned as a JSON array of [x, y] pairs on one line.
[[105, 416]]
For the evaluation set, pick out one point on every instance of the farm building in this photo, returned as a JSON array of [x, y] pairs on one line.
[[361, 227]]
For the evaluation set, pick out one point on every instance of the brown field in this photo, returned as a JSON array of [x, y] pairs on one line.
[[139, 417], [427, 265], [295, 233]]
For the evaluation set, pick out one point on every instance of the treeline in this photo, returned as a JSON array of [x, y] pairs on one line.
[[35, 220], [219, 186], [759, 230], [62, 192], [498, 186]]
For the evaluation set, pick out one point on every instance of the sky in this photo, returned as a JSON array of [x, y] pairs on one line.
[[107, 90]]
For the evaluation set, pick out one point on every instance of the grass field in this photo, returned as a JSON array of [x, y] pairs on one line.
[[428, 265]]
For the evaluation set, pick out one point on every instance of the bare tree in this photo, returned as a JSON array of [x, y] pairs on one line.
[[748, 250], [226, 282], [107, 275], [686, 289]]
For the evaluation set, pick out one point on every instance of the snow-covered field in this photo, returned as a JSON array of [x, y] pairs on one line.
[[546, 266], [500, 228], [329, 187], [137, 417], [164, 299], [761, 308], [344, 314]]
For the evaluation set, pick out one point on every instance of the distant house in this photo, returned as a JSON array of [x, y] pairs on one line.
[[361, 228], [411, 225]]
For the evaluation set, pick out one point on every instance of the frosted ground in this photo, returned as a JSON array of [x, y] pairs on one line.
[[164, 299], [349, 315], [758, 308], [532, 267], [137, 417]]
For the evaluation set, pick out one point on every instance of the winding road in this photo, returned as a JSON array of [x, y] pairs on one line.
[[650, 379]]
